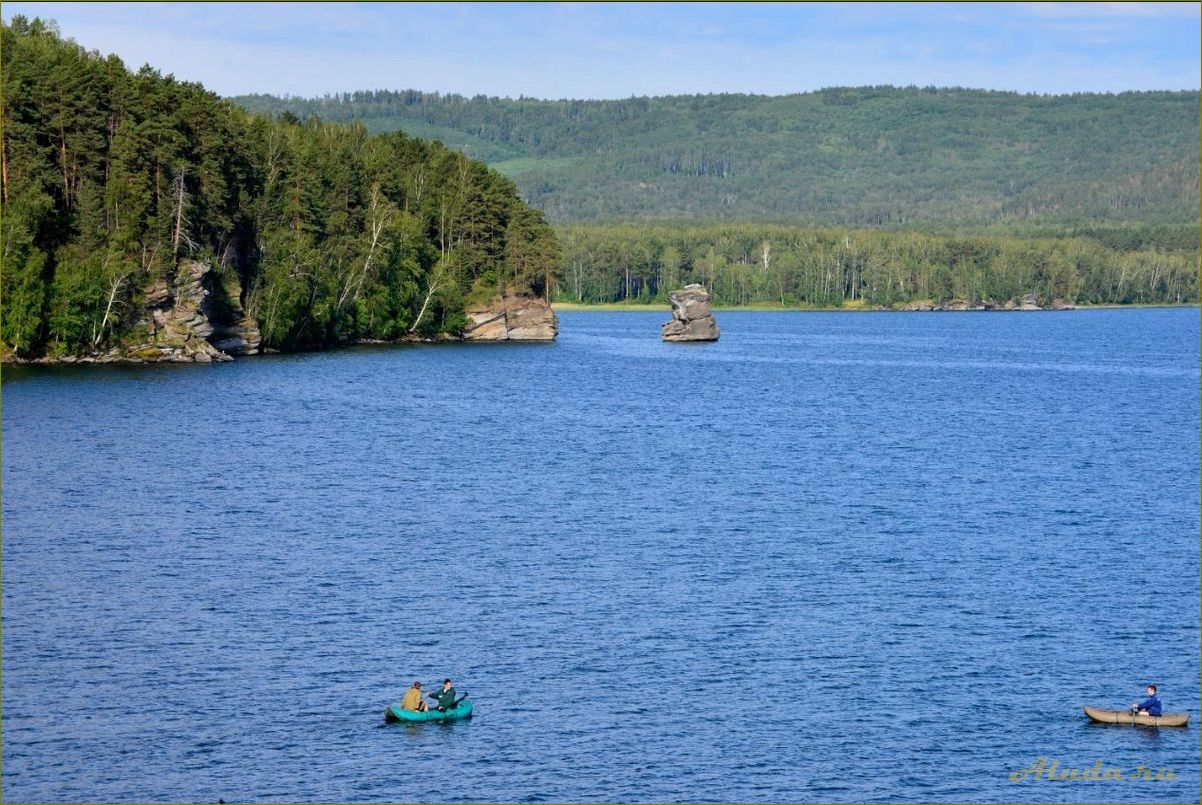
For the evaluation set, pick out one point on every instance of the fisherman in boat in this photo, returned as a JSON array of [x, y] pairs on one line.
[[412, 699], [1149, 706], [444, 697]]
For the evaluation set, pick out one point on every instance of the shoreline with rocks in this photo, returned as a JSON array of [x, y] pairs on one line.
[[514, 319], [196, 316]]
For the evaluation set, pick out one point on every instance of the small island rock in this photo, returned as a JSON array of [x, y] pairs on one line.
[[692, 316]]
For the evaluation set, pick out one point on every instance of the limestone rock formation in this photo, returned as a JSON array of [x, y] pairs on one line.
[[511, 318], [197, 318], [692, 316]]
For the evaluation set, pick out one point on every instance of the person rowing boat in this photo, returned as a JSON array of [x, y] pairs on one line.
[[1148, 713], [444, 697], [1149, 706]]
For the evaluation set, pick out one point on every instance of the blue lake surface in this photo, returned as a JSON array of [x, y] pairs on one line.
[[831, 557]]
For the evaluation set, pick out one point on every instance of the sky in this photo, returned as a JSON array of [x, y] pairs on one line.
[[616, 50]]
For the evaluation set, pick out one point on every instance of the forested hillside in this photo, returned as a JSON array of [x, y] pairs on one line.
[[871, 156], [111, 179]]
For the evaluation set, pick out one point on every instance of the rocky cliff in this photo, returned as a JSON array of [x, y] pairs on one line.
[[692, 316], [511, 318], [192, 317], [196, 317]]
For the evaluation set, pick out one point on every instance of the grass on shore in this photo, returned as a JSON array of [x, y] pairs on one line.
[[634, 307], [637, 306]]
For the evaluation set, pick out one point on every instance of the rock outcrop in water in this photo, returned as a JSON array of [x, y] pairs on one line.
[[511, 318], [692, 316]]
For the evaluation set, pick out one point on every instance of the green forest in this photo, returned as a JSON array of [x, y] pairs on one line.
[[331, 233], [764, 264], [854, 157]]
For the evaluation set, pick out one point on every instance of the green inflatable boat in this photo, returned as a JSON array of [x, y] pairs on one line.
[[393, 713]]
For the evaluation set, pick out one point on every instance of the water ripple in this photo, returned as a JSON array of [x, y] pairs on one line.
[[830, 558]]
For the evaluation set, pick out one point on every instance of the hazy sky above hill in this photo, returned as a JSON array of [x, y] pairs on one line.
[[583, 50]]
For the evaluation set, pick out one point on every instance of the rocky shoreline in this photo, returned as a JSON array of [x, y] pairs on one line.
[[196, 316], [511, 318], [1028, 302], [119, 357]]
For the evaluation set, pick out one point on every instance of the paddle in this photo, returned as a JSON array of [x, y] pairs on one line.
[[454, 706]]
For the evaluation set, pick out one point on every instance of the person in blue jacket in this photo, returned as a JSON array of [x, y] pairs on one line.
[[1149, 706]]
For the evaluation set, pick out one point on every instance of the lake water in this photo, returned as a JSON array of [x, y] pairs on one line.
[[831, 557]]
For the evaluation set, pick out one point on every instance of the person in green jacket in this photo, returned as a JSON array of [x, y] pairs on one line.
[[444, 697]]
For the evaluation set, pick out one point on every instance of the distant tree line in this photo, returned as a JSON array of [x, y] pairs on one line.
[[110, 178], [794, 266]]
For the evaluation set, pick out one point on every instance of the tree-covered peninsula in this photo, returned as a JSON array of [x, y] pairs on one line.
[[129, 193]]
